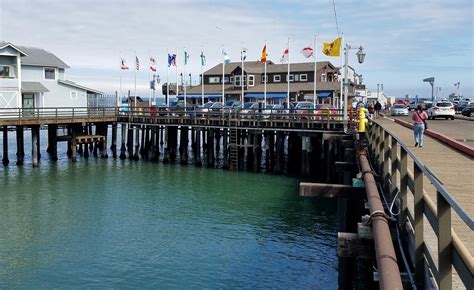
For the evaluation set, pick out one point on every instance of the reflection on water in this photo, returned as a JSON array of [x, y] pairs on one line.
[[112, 223]]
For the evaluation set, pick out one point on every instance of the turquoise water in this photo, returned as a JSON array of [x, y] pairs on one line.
[[121, 224]]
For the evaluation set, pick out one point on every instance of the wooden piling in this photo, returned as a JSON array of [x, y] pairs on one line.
[[210, 147], [34, 145], [197, 152], [137, 143], [166, 154], [5, 159], [225, 149], [279, 147], [183, 145], [130, 141], [105, 128], [257, 151], [73, 144], [122, 139], [20, 153], [113, 147]]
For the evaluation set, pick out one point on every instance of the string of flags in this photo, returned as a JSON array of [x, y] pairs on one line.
[[332, 49]]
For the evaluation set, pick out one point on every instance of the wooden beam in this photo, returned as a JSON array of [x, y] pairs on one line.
[[349, 245], [341, 166], [331, 190]]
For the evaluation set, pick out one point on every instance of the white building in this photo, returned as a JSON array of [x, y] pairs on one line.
[[34, 78], [374, 97]]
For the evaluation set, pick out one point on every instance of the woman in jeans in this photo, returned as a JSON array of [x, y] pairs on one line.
[[419, 117]]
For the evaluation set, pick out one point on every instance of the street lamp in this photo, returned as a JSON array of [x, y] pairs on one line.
[[431, 80], [360, 57]]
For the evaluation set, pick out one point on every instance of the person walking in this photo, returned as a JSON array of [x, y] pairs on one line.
[[377, 107], [419, 120]]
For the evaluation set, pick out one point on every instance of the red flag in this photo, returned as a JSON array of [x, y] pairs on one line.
[[152, 64], [264, 54]]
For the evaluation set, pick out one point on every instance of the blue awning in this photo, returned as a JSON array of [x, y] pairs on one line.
[[193, 96], [324, 94], [269, 95]]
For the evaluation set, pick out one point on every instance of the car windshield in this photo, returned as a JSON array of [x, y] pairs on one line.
[[269, 107], [208, 105], [304, 106], [445, 104], [398, 106], [217, 105], [248, 105], [229, 103]]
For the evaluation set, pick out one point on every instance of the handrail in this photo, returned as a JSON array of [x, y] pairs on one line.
[[451, 251], [435, 181]]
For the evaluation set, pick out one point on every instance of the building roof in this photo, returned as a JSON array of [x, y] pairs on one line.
[[73, 84], [6, 44], [37, 56], [33, 87]]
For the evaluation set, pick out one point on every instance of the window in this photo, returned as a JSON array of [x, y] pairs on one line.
[[214, 80], [237, 81], [73, 95], [292, 78], [264, 79], [5, 71], [251, 80], [226, 80], [324, 78], [277, 78], [297, 78], [232, 79], [304, 77], [49, 73]]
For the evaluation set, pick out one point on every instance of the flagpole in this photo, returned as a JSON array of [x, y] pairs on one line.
[[223, 75], [167, 79], [149, 78], [135, 76], [120, 77], [265, 78], [288, 76], [177, 76], [340, 72], [202, 77], [184, 76], [315, 72], [242, 75]]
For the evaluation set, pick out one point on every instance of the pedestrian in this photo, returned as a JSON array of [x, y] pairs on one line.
[[377, 107], [419, 125]]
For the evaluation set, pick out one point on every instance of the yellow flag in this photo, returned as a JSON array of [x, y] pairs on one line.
[[332, 48]]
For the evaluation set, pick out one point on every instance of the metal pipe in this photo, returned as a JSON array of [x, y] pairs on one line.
[[387, 264]]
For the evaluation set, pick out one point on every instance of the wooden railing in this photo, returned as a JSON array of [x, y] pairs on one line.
[[21, 116], [279, 118], [398, 178]]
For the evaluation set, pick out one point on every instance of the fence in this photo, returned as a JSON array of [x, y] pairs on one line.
[[391, 154]]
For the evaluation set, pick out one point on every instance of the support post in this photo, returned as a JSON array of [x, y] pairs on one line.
[[444, 243], [122, 146], [34, 144], [5, 160], [114, 140], [418, 227], [20, 153]]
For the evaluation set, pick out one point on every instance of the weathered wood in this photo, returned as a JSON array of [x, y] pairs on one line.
[[34, 145], [5, 159], [20, 153], [123, 140], [331, 190], [113, 147], [349, 245], [341, 166]]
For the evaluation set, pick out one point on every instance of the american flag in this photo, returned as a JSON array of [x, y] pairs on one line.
[[152, 64], [137, 62]]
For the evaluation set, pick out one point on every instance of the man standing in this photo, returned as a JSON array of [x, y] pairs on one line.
[[377, 107]]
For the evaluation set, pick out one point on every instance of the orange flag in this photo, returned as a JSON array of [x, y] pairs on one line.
[[264, 54]]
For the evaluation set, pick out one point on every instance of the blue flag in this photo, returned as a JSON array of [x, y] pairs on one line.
[[171, 59]]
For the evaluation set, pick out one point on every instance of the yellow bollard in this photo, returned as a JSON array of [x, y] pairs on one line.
[[362, 120]]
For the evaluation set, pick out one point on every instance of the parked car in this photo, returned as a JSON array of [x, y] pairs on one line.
[[232, 106], [210, 107], [468, 111], [399, 110], [464, 103], [303, 108], [413, 105], [249, 108], [442, 109], [323, 111]]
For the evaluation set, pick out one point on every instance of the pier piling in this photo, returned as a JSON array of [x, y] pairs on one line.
[[123, 137], [20, 147], [34, 144], [114, 140], [5, 160]]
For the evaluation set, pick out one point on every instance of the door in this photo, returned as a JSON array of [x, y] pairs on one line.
[[28, 104]]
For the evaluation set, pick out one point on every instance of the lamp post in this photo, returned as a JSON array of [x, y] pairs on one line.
[[379, 88], [360, 57], [431, 80]]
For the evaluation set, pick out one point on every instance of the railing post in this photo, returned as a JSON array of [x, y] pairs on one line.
[[444, 243], [56, 115], [419, 243], [386, 164], [395, 170], [73, 114], [403, 185]]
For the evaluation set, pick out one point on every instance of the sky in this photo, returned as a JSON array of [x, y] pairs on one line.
[[405, 40]]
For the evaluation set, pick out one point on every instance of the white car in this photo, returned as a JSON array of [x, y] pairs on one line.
[[442, 109], [399, 110]]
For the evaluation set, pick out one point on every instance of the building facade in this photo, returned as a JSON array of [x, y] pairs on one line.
[[35, 78], [253, 82]]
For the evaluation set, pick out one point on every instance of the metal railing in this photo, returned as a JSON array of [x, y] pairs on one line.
[[56, 115], [397, 178]]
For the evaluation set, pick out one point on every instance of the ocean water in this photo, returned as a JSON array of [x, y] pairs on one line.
[[123, 224]]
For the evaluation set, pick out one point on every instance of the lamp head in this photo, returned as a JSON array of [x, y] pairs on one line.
[[361, 55]]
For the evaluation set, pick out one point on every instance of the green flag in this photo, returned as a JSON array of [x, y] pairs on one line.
[[203, 59], [186, 57]]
